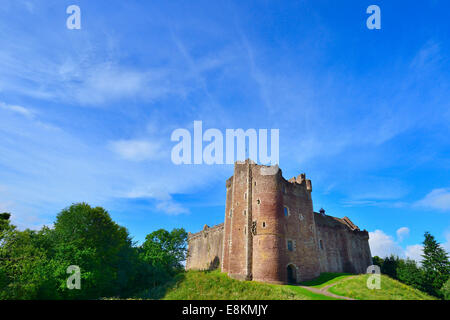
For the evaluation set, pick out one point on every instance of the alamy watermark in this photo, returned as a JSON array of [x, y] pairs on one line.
[[374, 280], [374, 20], [189, 149], [74, 281], [74, 20]]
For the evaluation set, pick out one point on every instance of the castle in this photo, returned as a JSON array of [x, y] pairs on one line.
[[271, 233]]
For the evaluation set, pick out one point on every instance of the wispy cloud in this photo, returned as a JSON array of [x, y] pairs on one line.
[[18, 109], [437, 199], [137, 150], [402, 233]]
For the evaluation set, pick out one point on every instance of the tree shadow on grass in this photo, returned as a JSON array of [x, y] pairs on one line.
[[159, 292], [325, 278]]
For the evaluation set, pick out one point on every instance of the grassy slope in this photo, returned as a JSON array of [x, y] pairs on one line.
[[326, 279], [213, 285], [390, 290]]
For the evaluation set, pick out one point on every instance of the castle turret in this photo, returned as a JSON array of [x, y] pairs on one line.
[[269, 238]]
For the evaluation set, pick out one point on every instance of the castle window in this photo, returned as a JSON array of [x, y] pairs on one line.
[[264, 224], [245, 196], [245, 212], [231, 213], [255, 183], [290, 246], [321, 244], [258, 201], [286, 211], [245, 230]]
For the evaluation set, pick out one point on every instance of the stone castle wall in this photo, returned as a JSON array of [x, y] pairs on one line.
[[342, 248], [272, 234], [205, 248]]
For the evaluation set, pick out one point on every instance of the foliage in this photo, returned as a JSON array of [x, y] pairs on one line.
[[430, 277], [445, 290], [165, 248], [435, 264], [377, 261], [409, 273], [33, 264], [390, 265]]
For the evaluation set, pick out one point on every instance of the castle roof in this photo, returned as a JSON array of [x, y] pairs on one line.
[[333, 222]]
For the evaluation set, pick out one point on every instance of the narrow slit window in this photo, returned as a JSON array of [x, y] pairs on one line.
[[290, 245]]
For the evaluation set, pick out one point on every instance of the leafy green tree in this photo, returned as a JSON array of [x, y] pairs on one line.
[[389, 266], [88, 237], [445, 290], [24, 263], [409, 273], [164, 249], [377, 261], [435, 264], [33, 264]]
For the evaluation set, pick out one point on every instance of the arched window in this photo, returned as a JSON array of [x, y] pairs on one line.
[[286, 211]]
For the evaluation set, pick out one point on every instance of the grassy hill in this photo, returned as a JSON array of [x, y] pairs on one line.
[[390, 290], [214, 285]]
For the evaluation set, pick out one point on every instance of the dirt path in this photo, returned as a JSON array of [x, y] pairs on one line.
[[325, 291]]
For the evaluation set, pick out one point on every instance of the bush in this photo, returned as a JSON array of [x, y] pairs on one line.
[[445, 290], [33, 264]]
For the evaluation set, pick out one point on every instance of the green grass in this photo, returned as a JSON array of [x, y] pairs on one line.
[[391, 289], [214, 285], [326, 279]]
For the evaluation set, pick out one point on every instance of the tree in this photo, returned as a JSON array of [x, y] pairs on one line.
[[165, 249], [389, 266], [445, 290], [377, 261], [436, 265], [409, 273], [88, 237]]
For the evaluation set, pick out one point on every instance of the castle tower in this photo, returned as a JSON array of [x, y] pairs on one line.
[[237, 244], [269, 229]]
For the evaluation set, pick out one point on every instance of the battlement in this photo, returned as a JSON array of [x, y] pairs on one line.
[[204, 232]]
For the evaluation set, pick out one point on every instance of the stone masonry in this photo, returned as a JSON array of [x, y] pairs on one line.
[[271, 233]]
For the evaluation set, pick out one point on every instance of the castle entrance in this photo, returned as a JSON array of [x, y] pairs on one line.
[[291, 274]]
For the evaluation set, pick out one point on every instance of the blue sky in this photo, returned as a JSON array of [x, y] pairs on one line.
[[87, 115]]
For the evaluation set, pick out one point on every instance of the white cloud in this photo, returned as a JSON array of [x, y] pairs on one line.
[[438, 199], [402, 233], [17, 109], [136, 150], [414, 252], [383, 245], [171, 207]]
